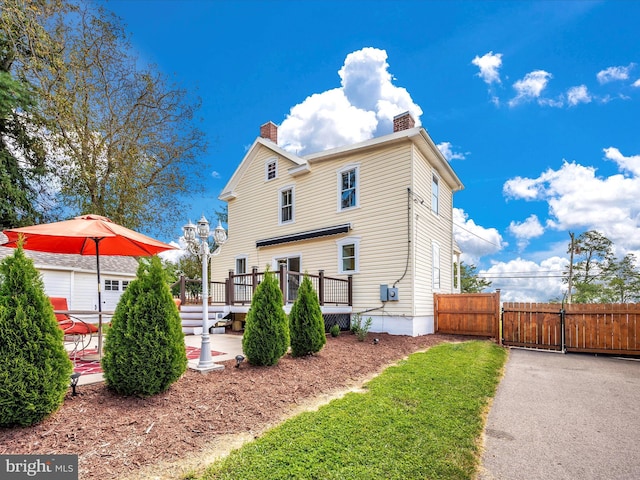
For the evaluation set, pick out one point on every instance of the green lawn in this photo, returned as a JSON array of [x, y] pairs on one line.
[[420, 419]]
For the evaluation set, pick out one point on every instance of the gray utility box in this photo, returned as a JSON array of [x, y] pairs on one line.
[[388, 294]]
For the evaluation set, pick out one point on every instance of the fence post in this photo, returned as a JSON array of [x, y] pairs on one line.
[[350, 290], [283, 283], [321, 287], [232, 288], [563, 346], [435, 313], [254, 280], [183, 293], [496, 327]]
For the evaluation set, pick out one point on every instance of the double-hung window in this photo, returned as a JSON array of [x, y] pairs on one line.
[[436, 265], [435, 192], [286, 205], [271, 169], [348, 255], [348, 181]]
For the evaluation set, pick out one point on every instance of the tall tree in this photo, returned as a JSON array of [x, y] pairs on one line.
[[623, 286], [23, 200], [470, 282], [124, 140], [593, 261]]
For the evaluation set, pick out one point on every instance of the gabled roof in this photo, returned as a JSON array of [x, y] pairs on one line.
[[417, 135], [114, 265], [298, 165]]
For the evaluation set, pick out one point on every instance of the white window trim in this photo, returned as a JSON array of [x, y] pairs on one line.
[[346, 168], [355, 241], [293, 205], [246, 264], [435, 211], [287, 255], [435, 258], [266, 169]]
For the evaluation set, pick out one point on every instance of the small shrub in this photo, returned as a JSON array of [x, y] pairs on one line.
[[34, 366], [266, 329], [335, 330], [306, 323], [360, 328], [144, 352]]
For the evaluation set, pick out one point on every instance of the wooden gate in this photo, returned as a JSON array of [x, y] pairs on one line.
[[467, 314], [534, 325], [595, 328]]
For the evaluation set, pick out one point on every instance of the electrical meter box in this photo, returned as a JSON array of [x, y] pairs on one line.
[[388, 294]]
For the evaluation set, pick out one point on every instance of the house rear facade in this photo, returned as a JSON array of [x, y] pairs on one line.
[[380, 211]]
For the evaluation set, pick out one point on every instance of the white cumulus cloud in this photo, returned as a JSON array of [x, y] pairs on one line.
[[447, 152], [523, 280], [474, 240], [524, 231], [612, 74], [489, 65], [636, 83], [579, 94], [362, 107], [579, 199], [530, 87]]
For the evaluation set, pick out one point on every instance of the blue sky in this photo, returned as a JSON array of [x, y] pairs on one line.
[[535, 104]]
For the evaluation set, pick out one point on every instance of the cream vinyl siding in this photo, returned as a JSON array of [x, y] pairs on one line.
[[430, 227], [380, 221], [396, 231]]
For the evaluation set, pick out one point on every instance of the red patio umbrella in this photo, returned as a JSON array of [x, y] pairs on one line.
[[86, 235]]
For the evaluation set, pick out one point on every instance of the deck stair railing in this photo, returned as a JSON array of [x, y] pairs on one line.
[[238, 289]]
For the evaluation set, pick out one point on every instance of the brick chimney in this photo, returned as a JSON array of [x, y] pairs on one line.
[[404, 121], [269, 131]]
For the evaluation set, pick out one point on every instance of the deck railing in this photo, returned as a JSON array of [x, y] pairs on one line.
[[238, 289]]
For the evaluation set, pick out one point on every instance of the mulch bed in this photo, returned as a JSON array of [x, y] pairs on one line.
[[129, 437], [87, 367]]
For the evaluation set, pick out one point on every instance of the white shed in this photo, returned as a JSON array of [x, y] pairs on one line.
[[74, 277]]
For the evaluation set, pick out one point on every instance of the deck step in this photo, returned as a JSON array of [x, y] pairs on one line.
[[191, 317]]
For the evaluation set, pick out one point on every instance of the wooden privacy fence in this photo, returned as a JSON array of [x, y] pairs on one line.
[[467, 314], [595, 328]]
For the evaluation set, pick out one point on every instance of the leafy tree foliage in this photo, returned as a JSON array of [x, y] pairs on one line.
[[600, 277], [593, 258], [22, 164], [469, 280], [34, 366], [144, 352], [623, 286], [306, 323], [122, 138], [266, 331]]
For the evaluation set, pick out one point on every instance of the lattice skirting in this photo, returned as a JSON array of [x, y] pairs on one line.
[[342, 319]]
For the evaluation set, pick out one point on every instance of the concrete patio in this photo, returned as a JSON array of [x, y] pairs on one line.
[[229, 345]]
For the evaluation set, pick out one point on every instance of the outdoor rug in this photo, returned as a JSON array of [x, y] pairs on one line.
[[88, 367]]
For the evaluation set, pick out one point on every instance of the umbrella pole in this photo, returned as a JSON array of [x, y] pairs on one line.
[[97, 240]]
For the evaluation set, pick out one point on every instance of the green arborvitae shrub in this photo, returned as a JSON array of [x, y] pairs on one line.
[[35, 368], [266, 330], [335, 330], [144, 352], [306, 323]]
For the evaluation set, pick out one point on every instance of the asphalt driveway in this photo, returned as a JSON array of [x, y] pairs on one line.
[[573, 417]]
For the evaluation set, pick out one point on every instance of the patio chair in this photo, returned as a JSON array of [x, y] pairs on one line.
[[77, 332]]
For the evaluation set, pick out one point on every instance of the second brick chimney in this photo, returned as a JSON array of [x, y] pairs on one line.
[[269, 131], [404, 121]]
